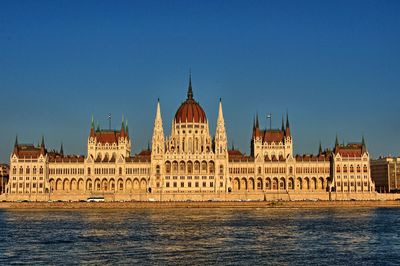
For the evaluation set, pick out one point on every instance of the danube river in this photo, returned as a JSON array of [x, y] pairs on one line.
[[367, 236]]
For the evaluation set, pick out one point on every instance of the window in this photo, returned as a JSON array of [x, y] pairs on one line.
[[345, 169], [175, 184], [365, 169], [211, 184], [167, 184], [182, 184], [197, 184], [204, 184], [41, 170]]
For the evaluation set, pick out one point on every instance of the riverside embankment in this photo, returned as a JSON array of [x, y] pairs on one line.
[[225, 204]]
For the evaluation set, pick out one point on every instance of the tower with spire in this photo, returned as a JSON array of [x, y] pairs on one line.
[[221, 141], [270, 143], [157, 144], [108, 144]]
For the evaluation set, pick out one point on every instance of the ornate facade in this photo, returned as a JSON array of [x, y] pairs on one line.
[[188, 164]]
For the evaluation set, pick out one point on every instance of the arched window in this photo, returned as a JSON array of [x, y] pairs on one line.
[[21, 170], [211, 166], [365, 169], [344, 168], [221, 169], [41, 170], [157, 169], [190, 167], [120, 171], [351, 168], [168, 167], [358, 168], [338, 169]]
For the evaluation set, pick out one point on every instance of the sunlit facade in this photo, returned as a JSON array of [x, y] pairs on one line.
[[188, 164]]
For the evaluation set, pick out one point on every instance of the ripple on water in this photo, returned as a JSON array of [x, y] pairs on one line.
[[368, 236]]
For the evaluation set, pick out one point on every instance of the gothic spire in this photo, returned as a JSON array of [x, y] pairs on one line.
[[257, 124], [158, 133], [92, 123], [62, 149], [190, 90], [283, 125], [42, 144], [287, 120], [364, 146], [320, 148], [337, 141], [16, 141]]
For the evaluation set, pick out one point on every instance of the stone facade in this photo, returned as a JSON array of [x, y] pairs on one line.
[[189, 164], [385, 172]]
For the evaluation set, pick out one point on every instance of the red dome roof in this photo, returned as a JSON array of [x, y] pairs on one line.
[[190, 111]]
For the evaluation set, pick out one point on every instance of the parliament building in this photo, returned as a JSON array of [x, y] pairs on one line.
[[189, 164]]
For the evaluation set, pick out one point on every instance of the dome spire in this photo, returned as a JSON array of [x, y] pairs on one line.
[[190, 90]]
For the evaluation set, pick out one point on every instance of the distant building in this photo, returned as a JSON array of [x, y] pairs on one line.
[[4, 173], [385, 172], [190, 163]]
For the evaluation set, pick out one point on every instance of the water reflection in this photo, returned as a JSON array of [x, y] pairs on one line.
[[201, 236]]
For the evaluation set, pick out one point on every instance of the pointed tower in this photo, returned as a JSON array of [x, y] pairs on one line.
[[288, 137], [221, 152], [221, 147], [15, 151], [336, 144], [42, 147], [287, 131], [123, 127], [92, 128], [257, 124], [363, 145], [62, 149], [158, 134], [190, 90], [320, 148]]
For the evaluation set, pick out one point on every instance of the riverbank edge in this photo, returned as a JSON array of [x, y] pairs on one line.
[[194, 204]]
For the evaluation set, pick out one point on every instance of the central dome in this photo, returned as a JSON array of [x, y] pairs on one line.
[[190, 111]]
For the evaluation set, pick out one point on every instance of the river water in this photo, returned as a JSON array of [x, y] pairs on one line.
[[367, 236]]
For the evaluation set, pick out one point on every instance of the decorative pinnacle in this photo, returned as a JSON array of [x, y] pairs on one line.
[[190, 90]]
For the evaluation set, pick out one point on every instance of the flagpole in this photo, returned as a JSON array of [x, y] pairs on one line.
[[109, 121], [269, 116]]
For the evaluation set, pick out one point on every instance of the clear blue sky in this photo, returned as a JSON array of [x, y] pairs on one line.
[[334, 65]]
